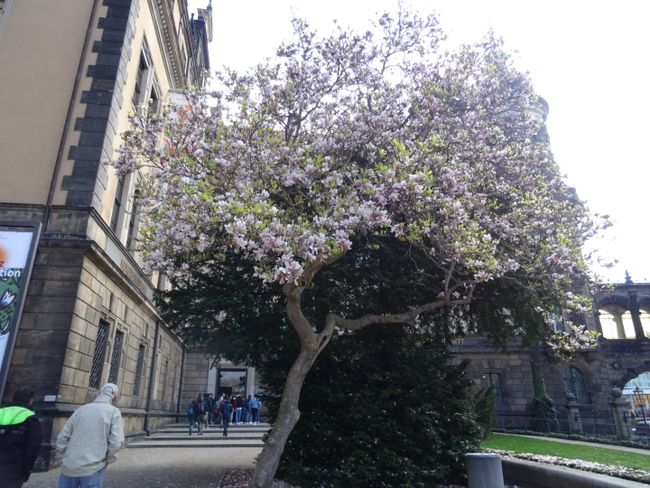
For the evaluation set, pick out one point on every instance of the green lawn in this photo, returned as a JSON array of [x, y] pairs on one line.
[[569, 451]]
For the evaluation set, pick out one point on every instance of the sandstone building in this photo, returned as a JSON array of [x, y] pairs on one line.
[[70, 73], [622, 360]]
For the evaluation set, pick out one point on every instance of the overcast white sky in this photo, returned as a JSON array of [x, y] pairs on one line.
[[589, 59]]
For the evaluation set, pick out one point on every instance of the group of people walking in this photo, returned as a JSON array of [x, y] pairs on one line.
[[206, 411]]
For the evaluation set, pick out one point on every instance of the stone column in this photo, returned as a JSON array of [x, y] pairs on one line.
[[484, 470], [620, 407], [636, 316], [575, 421]]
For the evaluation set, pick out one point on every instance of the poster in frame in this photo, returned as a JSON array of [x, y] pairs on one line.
[[18, 243]]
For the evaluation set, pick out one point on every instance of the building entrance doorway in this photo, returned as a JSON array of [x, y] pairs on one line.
[[231, 381]]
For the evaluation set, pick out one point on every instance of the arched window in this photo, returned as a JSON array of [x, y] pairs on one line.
[[575, 383]]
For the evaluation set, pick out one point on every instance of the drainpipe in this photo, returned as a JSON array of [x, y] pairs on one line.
[[152, 376]]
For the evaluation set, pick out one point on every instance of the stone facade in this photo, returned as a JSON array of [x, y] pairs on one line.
[[594, 373], [89, 315]]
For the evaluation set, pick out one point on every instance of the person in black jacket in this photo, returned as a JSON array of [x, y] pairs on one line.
[[20, 439]]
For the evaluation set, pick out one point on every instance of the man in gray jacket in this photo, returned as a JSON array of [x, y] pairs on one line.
[[90, 440]]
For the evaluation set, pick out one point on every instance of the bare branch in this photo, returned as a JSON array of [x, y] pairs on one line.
[[398, 318]]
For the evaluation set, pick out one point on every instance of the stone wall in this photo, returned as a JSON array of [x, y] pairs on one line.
[[612, 365], [195, 378], [73, 290]]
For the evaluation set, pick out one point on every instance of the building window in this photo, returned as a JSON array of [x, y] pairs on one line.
[[117, 204], [133, 223], [146, 89], [116, 357], [576, 384], [98, 356], [493, 380], [139, 368], [140, 80]]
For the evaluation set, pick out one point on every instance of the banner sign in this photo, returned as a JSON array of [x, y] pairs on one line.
[[17, 245]]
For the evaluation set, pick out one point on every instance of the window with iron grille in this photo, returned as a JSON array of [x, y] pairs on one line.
[[493, 380], [576, 384], [115, 357], [139, 367], [98, 355]]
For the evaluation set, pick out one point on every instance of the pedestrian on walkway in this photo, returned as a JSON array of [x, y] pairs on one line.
[[20, 439], [238, 409], [255, 403], [225, 414], [90, 440], [192, 413], [219, 410], [248, 418], [211, 407]]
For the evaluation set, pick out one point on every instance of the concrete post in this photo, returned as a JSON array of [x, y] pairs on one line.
[[620, 411], [575, 421], [484, 470]]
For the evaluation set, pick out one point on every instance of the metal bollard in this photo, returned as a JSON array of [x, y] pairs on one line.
[[484, 470]]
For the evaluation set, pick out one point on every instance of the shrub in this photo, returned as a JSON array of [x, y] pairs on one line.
[[381, 408]]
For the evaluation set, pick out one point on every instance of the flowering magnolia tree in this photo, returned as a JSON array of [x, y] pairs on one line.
[[350, 136]]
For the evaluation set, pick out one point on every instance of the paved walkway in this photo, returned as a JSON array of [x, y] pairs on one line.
[[165, 468], [636, 450]]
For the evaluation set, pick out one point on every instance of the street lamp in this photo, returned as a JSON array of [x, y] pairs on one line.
[[639, 399]]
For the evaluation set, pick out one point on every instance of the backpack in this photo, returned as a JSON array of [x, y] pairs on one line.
[[190, 411]]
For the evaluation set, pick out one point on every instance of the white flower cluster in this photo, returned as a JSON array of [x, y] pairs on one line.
[[606, 469]]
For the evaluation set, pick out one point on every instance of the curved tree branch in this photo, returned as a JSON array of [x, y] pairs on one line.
[[397, 318]]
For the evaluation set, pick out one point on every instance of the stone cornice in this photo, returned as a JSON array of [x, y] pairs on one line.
[[166, 33]]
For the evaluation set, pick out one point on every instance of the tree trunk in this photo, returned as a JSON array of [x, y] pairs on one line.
[[288, 415]]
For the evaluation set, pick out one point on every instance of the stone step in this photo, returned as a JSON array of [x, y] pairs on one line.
[[183, 425], [185, 432], [223, 442], [211, 435], [177, 436], [184, 428]]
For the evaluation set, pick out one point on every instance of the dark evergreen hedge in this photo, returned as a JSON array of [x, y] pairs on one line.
[[381, 408]]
